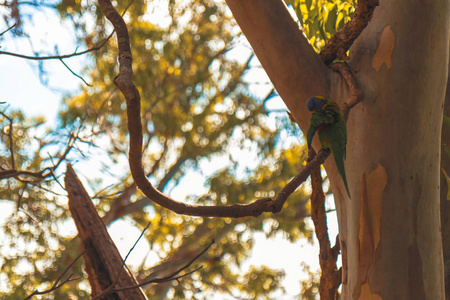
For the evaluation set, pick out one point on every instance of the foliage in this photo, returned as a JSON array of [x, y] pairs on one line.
[[310, 287], [32, 238], [321, 19], [197, 110]]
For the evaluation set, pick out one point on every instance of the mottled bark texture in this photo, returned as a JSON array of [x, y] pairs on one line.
[[330, 277], [390, 231]]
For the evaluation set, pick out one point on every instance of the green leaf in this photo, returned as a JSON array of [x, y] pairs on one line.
[[330, 25], [446, 120], [308, 4], [448, 183]]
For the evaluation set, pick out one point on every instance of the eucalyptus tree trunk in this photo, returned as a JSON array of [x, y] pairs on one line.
[[390, 228], [445, 203]]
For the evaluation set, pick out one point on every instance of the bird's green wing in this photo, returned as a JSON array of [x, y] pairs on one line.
[[334, 136], [321, 119], [309, 136], [331, 128]]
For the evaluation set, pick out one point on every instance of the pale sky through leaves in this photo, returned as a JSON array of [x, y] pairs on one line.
[[21, 87]]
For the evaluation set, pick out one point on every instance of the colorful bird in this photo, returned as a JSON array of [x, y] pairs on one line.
[[329, 123]]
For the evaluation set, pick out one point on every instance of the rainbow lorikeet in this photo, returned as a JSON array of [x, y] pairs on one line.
[[329, 123]]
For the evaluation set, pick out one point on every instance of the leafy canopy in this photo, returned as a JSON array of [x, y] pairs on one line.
[[197, 110]]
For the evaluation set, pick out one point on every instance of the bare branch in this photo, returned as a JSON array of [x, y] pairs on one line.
[[125, 84], [327, 257], [75, 74], [39, 175], [95, 48], [172, 276], [55, 285], [102, 259], [357, 93], [53, 288], [2, 33], [10, 137]]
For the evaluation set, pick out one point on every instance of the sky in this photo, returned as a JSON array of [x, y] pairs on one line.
[[21, 87]]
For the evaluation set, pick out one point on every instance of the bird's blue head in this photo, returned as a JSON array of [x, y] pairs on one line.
[[315, 102]]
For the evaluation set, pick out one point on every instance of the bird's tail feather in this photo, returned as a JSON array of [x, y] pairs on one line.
[[341, 169]]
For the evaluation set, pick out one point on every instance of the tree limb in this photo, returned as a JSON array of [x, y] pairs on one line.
[[357, 93], [125, 84], [102, 259], [328, 288]]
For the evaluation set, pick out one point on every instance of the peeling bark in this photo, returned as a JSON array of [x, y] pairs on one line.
[[400, 61], [330, 277]]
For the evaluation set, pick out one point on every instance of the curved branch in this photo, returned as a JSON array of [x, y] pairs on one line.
[[356, 92], [125, 84]]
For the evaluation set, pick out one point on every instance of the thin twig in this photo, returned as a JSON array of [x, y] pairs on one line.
[[129, 252], [47, 190], [19, 201], [55, 284], [10, 137], [30, 216], [67, 269], [60, 57], [39, 175], [53, 288], [8, 29], [73, 137], [172, 276], [75, 74], [95, 48]]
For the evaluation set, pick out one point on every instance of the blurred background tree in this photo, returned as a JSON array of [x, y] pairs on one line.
[[205, 114]]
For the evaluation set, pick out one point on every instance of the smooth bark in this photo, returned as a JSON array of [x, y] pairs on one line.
[[394, 142]]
